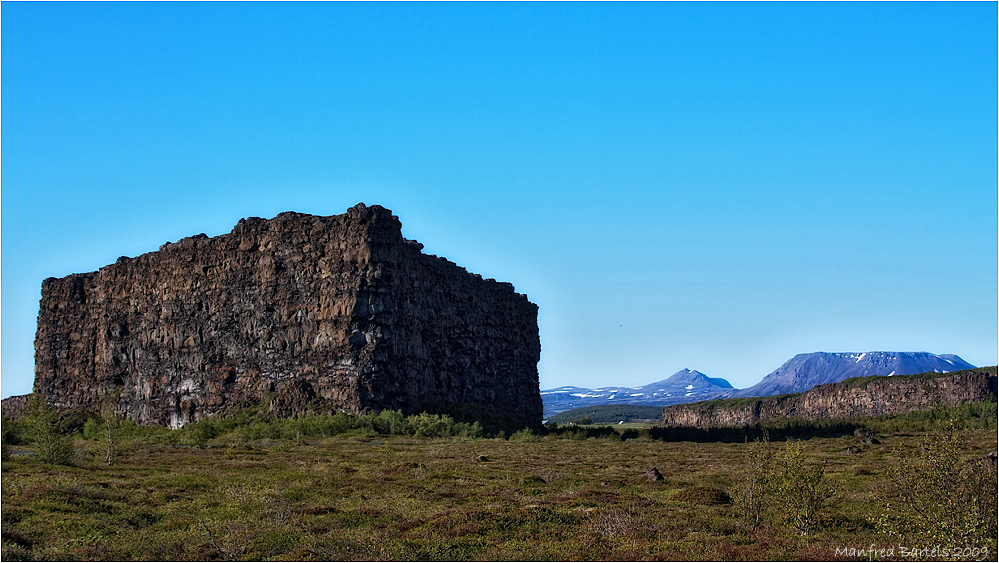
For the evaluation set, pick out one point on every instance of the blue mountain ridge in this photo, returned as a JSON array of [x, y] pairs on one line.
[[798, 374], [684, 386]]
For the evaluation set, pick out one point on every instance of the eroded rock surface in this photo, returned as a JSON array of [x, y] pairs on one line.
[[864, 397], [13, 407], [298, 310]]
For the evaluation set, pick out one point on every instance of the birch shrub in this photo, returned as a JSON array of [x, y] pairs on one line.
[[780, 487], [50, 443], [937, 497]]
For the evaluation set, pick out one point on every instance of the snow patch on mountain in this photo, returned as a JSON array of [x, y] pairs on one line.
[[682, 387], [805, 371], [798, 374]]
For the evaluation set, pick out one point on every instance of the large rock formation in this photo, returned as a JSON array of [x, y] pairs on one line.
[[855, 398], [14, 407], [299, 310]]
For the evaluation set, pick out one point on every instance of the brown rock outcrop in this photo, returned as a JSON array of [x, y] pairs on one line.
[[13, 407], [300, 309], [861, 397]]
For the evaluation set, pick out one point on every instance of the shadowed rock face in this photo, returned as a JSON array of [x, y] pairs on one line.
[[303, 310], [864, 397]]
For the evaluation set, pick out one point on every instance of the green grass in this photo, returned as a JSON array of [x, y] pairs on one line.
[[368, 496]]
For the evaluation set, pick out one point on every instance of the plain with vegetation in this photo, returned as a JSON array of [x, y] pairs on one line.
[[428, 487]]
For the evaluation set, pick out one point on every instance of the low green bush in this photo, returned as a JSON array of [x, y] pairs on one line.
[[781, 486], [703, 495], [51, 445], [524, 435], [940, 496], [386, 422]]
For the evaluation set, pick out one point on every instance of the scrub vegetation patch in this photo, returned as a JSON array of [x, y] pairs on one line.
[[389, 487]]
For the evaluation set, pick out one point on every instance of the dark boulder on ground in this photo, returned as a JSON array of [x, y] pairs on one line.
[[653, 474]]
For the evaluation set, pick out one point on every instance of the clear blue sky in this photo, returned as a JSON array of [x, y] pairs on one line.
[[711, 186]]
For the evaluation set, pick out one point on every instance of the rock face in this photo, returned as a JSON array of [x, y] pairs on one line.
[[863, 397], [301, 310], [13, 407]]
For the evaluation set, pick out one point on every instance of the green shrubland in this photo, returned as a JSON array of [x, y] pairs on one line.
[[247, 425], [42, 430], [941, 494], [608, 414], [388, 486]]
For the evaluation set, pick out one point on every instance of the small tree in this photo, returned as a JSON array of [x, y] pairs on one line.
[[778, 484], [801, 489], [111, 439], [939, 497], [756, 491], [390, 422], [50, 444]]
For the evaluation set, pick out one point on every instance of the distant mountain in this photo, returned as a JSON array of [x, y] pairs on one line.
[[684, 386], [805, 371], [686, 380], [798, 374]]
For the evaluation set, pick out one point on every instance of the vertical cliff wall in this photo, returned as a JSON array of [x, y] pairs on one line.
[[299, 309], [854, 398]]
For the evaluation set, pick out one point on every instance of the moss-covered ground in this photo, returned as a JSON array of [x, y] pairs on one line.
[[377, 497]]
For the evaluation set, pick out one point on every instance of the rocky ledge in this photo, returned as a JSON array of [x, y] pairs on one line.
[[853, 398]]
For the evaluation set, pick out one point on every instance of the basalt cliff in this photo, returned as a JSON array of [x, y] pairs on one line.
[[854, 398], [298, 311]]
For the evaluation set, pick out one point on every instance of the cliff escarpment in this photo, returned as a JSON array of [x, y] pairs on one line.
[[299, 310], [854, 398]]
